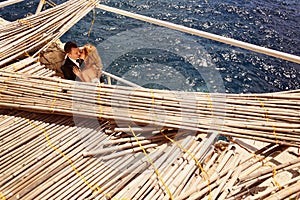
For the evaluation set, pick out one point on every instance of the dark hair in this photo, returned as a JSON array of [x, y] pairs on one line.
[[69, 45]]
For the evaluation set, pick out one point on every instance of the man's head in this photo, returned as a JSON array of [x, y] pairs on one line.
[[72, 50]]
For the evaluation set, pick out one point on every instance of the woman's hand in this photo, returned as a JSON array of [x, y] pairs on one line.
[[76, 71]]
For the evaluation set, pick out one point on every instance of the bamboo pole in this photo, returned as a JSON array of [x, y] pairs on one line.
[[270, 190], [228, 175], [269, 170], [9, 2], [288, 191], [214, 183], [40, 6], [231, 182], [79, 191], [230, 41]]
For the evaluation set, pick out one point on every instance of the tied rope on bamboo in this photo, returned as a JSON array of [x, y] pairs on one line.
[[153, 165], [2, 196], [242, 117], [276, 141], [136, 180], [206, 177], [66, 157], [38, 31]]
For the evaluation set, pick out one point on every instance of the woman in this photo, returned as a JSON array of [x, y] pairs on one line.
[[92, 65]]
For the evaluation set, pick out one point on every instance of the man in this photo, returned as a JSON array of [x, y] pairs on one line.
[[72, 60]]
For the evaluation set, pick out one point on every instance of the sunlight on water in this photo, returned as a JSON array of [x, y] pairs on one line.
[[272, 24]]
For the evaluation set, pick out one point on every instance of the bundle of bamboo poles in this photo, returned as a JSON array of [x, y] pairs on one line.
[[272, 117], [57, 170], [41, 158], [20, 37], [259, 175]]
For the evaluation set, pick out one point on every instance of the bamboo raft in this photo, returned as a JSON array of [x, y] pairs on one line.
[[45, 158], [264, 117], [61, 139]]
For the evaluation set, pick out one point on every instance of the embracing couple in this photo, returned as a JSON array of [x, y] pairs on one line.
[[85, 57]]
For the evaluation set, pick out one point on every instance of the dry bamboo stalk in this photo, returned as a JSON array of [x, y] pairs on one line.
[[82, 7], [51, 185], [50, 131], [122, 183], [9, 2], [260, 159], [213, 175], [186, 162], [132, 187], [228, 186], [19, 141], [215, 183], [225, 179], [94, 141], [138, 186], [275, 136], [230, 153], [172, 173], [40, 166], [76, 153], [261, 172], [28, 150], [295, 196], [90, 174], [268, 191], [169, 156], [75, 186], [288, 191], [19, 65], [241, 189], [201, 176], [152, 137], [189, 161], [251, 182], [137, 167], [128, 151], [111, 186], [122, 118], [27, 189], [152, 181], [111, 149]]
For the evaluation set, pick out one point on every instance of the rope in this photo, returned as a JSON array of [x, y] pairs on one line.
[[25, 22], [92, 23], [210, 103], [2, 196], [152, 164], [2, 54]]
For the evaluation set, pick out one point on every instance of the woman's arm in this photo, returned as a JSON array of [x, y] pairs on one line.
[[78, 73]]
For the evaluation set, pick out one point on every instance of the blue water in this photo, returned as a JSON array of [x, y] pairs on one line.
[[161, 58]]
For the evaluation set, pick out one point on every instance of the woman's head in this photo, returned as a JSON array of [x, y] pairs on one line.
[[91, 58], [86, 50]]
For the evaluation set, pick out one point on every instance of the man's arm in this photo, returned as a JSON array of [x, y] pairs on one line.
[[68, 73]]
